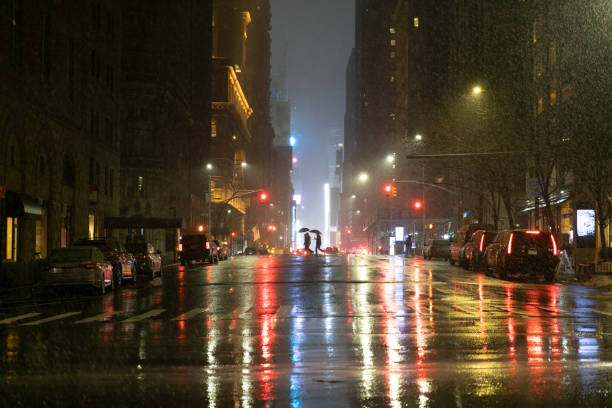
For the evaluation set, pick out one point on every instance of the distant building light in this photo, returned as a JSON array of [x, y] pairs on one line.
[[292, 141], [416, 22], [298, 199], [418, 137], [295, 160], [392, 30]]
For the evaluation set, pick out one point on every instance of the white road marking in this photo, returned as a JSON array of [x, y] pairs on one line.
[[240, 312], [97, 318], [50, 319], [188, 315], [150, 313], [284, 311], [20, 317], [600, 311]]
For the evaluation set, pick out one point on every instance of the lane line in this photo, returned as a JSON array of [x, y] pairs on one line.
[[97, 318], [150, 313], [284, 311], [20, 317], [188, 315], [50, 319]]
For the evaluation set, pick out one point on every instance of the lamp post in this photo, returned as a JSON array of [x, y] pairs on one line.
[[209, 168]]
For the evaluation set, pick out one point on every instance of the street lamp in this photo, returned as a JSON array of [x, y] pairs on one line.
[[363, 177], [418, 137], [390, 158], [476, 90], [243, 164], [209, 166]]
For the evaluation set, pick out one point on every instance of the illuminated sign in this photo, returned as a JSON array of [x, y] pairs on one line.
[[585, 223]]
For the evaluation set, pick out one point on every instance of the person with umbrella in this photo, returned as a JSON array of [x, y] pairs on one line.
[[306, 239], [317, 241]]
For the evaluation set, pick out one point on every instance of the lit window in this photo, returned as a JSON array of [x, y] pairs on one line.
[[213, 128], [540, 104], [391, 78], [91, 225], [140, 183], [392, 30], [416, 22], [392, 55], [393, 43], [535, 38], [553, 92]]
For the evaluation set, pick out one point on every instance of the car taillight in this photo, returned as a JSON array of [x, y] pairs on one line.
[[207, 245], [510, 244], [91, 265], [481, 242], [533, 232], [554, 244], [180, 248]]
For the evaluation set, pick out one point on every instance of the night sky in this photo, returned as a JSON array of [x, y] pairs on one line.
[[318, 36]]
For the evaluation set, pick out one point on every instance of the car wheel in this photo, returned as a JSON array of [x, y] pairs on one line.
[[117, 280], [499, 268]]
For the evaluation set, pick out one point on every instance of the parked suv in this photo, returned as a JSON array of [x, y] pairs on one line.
[[148, 260], [473, 251], [438, 248], [124, 265], [197, 247], [520, 252], [462, 236]]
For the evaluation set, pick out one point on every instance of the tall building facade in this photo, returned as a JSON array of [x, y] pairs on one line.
[[60, 132]]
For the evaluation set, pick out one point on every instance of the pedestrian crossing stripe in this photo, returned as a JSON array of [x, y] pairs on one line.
[[97, 318], [17, 318], [50, 319], [150, 313], [188, 315]]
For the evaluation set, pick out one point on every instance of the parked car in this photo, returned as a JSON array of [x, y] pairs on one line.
[[438, 248], [250, 251], [520, 252], [77, 266], [124, 265], [148, 260], [331, 250], [462, 236], [197, 247], [222, 250], [475, 247]]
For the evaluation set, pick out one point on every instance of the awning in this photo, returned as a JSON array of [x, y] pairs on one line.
[[19, 205], [141, 222]]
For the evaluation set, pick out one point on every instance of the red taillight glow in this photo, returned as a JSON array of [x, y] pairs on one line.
[[554, 243], [180, 248], [207, 245], [510, 244], [533, 232], [482, 242]]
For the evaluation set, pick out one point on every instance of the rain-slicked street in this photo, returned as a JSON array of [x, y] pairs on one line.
[[342, 331]]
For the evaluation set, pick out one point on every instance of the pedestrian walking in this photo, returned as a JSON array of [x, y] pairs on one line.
[[408, 245], [318, 244], [307, 241]]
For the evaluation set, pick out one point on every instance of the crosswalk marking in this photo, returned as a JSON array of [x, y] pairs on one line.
[[97, 318], [143, 316], [240, 312], [20, 317], [50, 319], [284, 311], [188, 315]]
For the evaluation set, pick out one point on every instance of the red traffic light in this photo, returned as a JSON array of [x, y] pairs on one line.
[[388, 188], [349, 231], [418, 205], [263, 196], [233, 234], [271, 227], [430, 226]]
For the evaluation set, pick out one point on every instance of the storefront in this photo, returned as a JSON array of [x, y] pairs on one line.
[[24, 227]]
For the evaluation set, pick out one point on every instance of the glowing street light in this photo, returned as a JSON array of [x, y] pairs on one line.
[[418, 137], [476, 90], [243, 164], [363, 177], [390, 158], [209, 166]]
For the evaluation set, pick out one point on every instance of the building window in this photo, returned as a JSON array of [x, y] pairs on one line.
[[106, 181], [98, 175], [540, 105], [415, 22], [392, 30], [566, 92], [213, 128], [553, 92], [91, 225], [12, 225], [111, 183], [41, 166], [391, 79], [535, 37], [71, 70], [69, 173], [393, 43], [140, 184], [12, 155], [392, 54]]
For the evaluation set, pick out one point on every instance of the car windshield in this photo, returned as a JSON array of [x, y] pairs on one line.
[[138, 248], [70, 255]]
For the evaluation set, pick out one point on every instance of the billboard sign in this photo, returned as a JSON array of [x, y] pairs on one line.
[[585, 223]]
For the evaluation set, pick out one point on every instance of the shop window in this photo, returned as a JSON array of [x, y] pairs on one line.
[[41, 238], [12, 225], [92, 225], [415, 22]]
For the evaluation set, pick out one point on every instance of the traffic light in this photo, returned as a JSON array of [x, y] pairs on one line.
[[233, 234], [263, 197], [394, 191], [430, 226], [349, 231], [388, 189], [200, 228], [271, 227], [418, 205]]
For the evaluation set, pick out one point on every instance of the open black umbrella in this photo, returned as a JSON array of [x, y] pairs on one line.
[[304, 229], [316, 231]]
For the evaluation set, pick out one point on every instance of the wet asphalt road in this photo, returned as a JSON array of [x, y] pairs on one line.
[[332, 331]]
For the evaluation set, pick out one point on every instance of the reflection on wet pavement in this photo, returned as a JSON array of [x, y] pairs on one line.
[[306, 331]]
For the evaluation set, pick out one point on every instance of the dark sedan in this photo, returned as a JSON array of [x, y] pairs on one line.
[[475, 248], [148, 260], [124, 266], [438, 248]]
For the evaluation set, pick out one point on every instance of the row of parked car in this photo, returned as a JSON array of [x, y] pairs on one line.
[[101, 263], [511, 252], [200, 248]]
